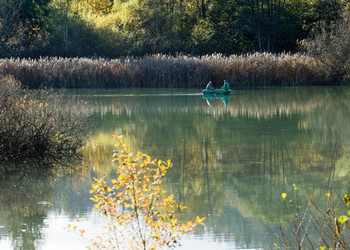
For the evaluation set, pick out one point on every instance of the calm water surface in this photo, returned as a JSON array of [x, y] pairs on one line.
[[232, 160]]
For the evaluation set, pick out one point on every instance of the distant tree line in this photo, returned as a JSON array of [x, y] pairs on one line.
[[113, 28]]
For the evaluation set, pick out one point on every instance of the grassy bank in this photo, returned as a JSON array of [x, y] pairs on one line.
[[260, 69], [37, 124]]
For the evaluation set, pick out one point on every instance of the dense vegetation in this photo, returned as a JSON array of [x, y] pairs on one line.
[[32, 127], [112, 28], [52, 30], [166, 71]]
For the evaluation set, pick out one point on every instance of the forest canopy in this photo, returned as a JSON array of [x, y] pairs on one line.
[[113, 28]]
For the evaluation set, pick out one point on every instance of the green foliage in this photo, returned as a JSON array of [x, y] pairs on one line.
[[136, 205], [37, 124], [132, 27], [202, 33]]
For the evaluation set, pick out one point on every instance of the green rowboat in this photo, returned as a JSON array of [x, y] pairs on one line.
[[216, 92]]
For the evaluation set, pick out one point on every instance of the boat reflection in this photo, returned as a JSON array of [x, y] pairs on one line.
[[211, 98]]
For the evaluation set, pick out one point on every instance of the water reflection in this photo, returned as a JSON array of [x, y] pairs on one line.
[[28, 191], [211, 98], [232, 163], [232, 159]]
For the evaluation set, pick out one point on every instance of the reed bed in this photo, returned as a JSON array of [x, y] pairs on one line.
[[180, 71]]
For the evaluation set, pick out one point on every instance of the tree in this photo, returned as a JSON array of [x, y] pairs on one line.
[[266, 19], [331, 45], [231, 34], [9, 16], [202, 7]]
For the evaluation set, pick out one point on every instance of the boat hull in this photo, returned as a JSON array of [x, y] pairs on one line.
[[216, 92]]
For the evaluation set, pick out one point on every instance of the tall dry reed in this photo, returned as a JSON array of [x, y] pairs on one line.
[[259, 69]]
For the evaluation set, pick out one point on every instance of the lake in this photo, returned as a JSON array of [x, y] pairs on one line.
[[233, 158]]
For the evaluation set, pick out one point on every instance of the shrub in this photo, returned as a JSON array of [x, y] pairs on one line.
[[37, 124], [315, 226], [141, 215]]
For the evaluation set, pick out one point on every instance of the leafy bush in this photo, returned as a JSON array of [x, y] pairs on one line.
[[141, 215], [37, 124]]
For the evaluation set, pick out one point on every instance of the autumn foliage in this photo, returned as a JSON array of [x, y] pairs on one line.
[[37, 124], [140, 213]]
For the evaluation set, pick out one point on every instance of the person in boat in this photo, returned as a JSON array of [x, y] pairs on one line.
[[210, 86], [226, 86]]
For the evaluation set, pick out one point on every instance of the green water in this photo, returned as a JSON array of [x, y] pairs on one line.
[[232, 158]]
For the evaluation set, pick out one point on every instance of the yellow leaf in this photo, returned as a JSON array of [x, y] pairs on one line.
[[346, 199], [328, 194], [120, 138], [284, 195], [342, 219]]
